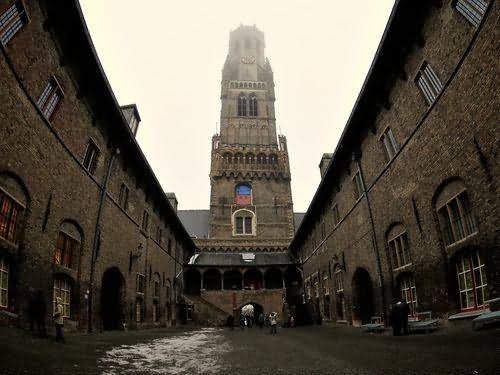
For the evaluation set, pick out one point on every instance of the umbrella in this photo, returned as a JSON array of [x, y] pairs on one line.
[[247, 310]]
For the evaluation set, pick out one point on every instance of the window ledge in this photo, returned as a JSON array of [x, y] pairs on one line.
[[59, 269], [464, 242], [11, 247], [400, 268], [468, 314]]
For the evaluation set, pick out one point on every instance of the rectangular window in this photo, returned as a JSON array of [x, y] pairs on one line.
[[12, 20], [456, 219], [339, 280], [4, 282], [62, 289], [409, 293], [140, 283], [428, 83], [336, 214], [65, 248], [91, 156], [471, 282], [157, 289], [138, 310], [123, 199], [390, 144], [50, 98], [400, 250], [472, 10], [145, 221], [10, 214], [358, 185], [159, 234]]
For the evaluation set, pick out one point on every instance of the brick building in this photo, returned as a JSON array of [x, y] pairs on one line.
[[243, 238], [408, 203], [83, 216]]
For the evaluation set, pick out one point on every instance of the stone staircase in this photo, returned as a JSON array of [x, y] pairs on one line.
[[205, 312]]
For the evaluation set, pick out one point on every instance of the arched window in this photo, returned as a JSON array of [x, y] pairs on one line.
[[397, 240], [250, 158], [238, 158], [261, 159], [252, 105], [408, 292], [243, 223], [167, 291], [455, 212], [13, 202], [273, 159], [242, 105], [471, 277], [243, 194], [68, 245]]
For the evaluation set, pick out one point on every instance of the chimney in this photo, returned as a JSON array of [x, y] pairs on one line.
[[131, 114], [323, 164], [172, 200]]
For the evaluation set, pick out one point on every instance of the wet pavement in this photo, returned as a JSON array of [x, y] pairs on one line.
[[305, 350]]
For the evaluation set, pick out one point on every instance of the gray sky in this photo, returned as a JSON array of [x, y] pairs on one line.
[[167, 57]]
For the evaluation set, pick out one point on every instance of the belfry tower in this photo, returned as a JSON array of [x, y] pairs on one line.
[[251, 202]]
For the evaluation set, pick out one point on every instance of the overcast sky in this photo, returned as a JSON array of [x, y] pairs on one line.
[[166, 56]]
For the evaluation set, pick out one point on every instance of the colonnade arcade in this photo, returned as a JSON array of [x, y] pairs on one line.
[[240, 278]]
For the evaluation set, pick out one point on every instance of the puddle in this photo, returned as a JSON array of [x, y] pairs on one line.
[[190, 353]]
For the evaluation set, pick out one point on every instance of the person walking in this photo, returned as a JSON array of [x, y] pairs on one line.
[[274, 323], [59, 320], [40, 312]]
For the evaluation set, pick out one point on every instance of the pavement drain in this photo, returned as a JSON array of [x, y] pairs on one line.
[[195, 352]]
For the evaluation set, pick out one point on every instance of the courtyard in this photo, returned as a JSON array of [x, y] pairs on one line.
[[304, 350]]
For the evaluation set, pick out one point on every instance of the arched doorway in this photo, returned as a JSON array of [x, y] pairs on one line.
[[112, 290], [257, 310], [192, 281], [362, 297]]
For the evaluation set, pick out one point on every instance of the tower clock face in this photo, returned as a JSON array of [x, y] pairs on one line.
[[248, 59]]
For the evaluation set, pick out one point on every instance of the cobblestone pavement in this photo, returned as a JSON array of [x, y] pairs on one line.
[[306, 350]]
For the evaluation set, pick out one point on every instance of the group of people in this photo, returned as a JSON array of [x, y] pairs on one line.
[[37, 312], [262, 320]]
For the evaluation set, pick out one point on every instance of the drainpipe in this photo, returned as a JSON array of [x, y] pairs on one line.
[[374, 236], [97, 234]]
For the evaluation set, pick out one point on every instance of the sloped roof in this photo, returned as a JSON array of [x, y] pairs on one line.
[[240, 259], [195, 222]]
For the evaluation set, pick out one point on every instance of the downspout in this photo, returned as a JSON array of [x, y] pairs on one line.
[[97, 235], [374, 236]]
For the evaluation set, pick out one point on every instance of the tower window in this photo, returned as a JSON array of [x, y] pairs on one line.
[[123, 199], [428, 83], [243, 194], [252, 106], [472, 10], [50, 98], [358, 186], [12, 20], [243, 222], [242, 105]]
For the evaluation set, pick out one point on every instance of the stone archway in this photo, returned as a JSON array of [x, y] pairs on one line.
[[112, 299], [252, 279], [362, 297], [273, 278], [233, 280], [212, 279]]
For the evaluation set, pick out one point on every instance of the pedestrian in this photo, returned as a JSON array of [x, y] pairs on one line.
[[292, 321], [242, 322], [59, 320], [405, 311], [40, 312], [261, 320], [274, 322], [396, 319]]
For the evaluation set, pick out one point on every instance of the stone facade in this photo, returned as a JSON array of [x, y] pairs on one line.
[[409, 202], [93, 223]]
